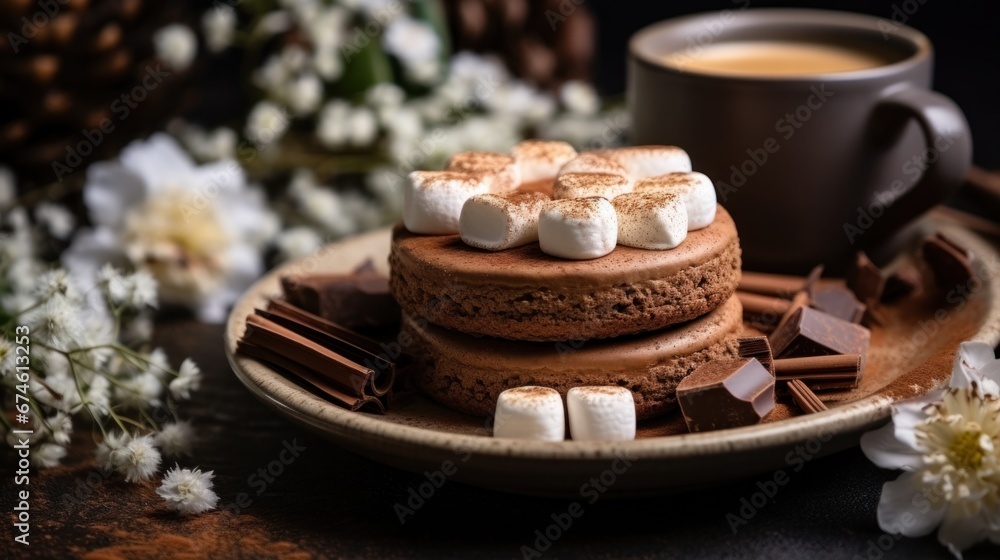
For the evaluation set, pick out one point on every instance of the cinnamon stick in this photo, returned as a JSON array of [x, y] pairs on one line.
[[805, 398]]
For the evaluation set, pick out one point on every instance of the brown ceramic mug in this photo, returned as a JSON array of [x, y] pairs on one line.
[[812, 165]]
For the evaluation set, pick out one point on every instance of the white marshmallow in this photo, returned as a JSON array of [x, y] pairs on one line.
[[578, 228], [651, 220], [697, 190], [503, 170], [540, 160], [433, 200], [649, 161], [501, 221], [593, 162], [530, 413], [585, 185], [601, 413]]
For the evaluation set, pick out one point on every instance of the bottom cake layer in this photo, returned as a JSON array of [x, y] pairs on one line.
[[467, 373]]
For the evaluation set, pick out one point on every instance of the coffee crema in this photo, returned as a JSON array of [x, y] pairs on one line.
[[774, 58]]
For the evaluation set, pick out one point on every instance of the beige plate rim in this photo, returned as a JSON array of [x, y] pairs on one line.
[[344, 424]]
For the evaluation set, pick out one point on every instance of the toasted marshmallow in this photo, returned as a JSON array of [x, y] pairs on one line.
[[578, 228], [651, 220], [593, 162], [601, 413], [503, 170], [530, 413], [540, 160], [501, 221], [433, 200], [649, 161], [585, 185], [697, 190]]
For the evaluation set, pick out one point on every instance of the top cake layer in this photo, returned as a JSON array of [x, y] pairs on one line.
[[524, 294]]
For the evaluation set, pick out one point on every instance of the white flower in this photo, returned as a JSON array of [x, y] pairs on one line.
[[208, 145], [188, 227], [140, 391], [411, 41], [47, 455], [297, 242], [219, 24], [59, 323], [947, 443], [6, 357], [975, 363], [176, 439], [158, 364], [579, 97], [472, 69], [328, 64], [175, 45], [341, 124], [424, 72], [362, 127], [188, 491], [99, 396], [386, 94], [142, 289], [61, 426], [139, 459], [403, 123], [188, 379], [326, 28], [266, 123], [8, 187], [114, 283], [304, 94], [57, 219], [56, 282], [320, 204], [111, 452]]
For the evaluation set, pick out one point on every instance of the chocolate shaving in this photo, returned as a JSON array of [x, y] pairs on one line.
[[778, 285], [902, 282], [757, 347], [949, 262], [345, 366], [821, 373], [805, 398], [865, 279]]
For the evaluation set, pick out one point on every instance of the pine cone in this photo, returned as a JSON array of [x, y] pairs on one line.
[[544, 42], [71, 81]]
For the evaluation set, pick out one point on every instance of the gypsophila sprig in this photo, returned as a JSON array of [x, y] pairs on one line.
[[86, 366], [188, 491]]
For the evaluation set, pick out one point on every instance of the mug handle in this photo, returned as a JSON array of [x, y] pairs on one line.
[[946, 132]]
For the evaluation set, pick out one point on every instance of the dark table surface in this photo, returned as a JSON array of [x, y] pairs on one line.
[[329, 503]]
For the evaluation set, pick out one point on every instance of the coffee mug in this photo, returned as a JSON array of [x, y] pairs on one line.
[[818, 128]]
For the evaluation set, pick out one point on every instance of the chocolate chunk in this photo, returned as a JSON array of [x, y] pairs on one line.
[[757, 347], [902, 282], [865, 279], [726, 394], [357, 300], [949, 262], [840, 302], [814, 333], [805, 398], [821, 373]]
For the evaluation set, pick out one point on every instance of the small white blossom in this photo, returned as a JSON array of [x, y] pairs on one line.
[[99, 396], [328, 64], [114, 283], [111, 453], [209, 145], [140, 391], [188, 379], [340, 124], [411, 41], [424, 72], [326, 29], [386, 94], [56, 219], [139, 459], [61, 426], [59, 323], [176, 439], [266, 123], [176, 45], [8, 187], [143, 289], [297, 242], [188, 491], [403, 123], [304, 94], [579, 97], [219, 24], [47, 455], [56, 282]]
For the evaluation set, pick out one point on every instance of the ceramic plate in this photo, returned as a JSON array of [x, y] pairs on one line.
[[908, 357]]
